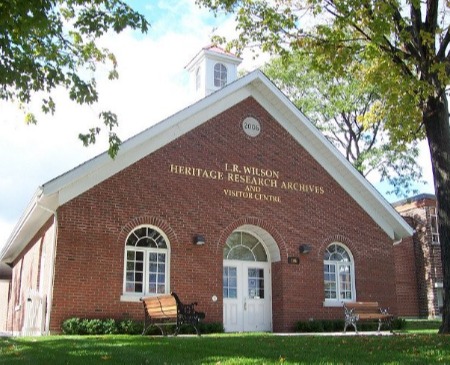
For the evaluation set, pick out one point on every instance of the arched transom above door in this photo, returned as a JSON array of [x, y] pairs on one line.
[[244, 246], [251, 243]]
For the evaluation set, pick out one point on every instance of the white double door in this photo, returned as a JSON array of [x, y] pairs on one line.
[[247, 302]]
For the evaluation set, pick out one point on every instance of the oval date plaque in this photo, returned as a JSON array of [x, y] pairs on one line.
[[251, 126]]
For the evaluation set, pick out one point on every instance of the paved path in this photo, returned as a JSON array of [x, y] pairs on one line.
[[350, 333]]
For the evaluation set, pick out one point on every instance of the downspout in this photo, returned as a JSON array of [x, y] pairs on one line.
[[52, 271], [395, 243]]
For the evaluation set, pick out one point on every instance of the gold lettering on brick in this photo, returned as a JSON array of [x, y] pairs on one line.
[[254, 178], [197, 172], [303, 188]]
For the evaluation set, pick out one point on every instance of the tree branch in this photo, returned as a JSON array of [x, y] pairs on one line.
[[444, 44]]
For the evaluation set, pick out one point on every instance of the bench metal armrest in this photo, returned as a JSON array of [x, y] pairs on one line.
[[187, 309], [349, 312]]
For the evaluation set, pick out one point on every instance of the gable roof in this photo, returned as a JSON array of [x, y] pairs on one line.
[[64, 188]]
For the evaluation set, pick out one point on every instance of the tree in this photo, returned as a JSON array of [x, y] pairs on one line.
[[52, 43], [406, 47], [340, 106]]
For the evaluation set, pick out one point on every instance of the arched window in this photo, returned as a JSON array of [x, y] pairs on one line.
[[147, 260], [244, 246], [220, 75], [339, 277]]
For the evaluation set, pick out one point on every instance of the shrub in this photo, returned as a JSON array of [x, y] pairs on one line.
[[109, 327], [337, 325], [130, 327], [93, 326], [72, 326], [85, 326], [399, 323], [310, 326], [78, 326], [214, 327]]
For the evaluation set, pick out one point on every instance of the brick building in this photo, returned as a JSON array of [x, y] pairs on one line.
[[425, 264], [237, 202]]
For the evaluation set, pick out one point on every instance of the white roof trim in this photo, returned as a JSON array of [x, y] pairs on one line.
[[80, 179]]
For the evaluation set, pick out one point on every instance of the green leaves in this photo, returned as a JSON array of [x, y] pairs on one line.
[[110, 121], [351, 114], [53, 43], [387, 36]]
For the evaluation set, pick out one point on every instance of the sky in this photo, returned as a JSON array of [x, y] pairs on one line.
[[152, 85]]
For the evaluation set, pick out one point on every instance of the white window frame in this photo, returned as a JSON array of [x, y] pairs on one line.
[[220, 75], [134, 297], [337, 302]]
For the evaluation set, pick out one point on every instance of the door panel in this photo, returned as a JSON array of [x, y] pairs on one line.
[[247, 303], [232, 299]]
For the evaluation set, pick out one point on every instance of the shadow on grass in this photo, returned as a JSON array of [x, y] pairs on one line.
[[226, 349]]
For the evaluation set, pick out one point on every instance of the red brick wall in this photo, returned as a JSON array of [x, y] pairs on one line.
[[406, 277], [427, 255], [93, 227]]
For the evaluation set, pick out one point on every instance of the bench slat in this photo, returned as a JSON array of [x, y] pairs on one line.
[[167, 309], [362, 305], [161, 307], [373, 316], [167, 301]]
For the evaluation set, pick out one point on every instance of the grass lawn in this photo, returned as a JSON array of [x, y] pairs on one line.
[[227, 349]]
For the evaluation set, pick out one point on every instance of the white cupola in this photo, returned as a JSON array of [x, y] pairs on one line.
[[211, 69]]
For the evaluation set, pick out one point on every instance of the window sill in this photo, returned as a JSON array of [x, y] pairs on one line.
[[135, 298], [333, 303], [130, 298]]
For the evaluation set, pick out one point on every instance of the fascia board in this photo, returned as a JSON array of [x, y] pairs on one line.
[[4, 254], [33, 218], [288, 115]]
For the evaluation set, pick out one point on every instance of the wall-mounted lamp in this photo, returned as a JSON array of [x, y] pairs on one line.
[[304, 248], [199, 239]]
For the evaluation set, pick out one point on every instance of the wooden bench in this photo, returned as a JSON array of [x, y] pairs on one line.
[[366, 311], [166, 310]]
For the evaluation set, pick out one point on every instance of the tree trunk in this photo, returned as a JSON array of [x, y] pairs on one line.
[[436, 121]]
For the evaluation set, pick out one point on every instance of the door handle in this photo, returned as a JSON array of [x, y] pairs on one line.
[[245, 305]]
